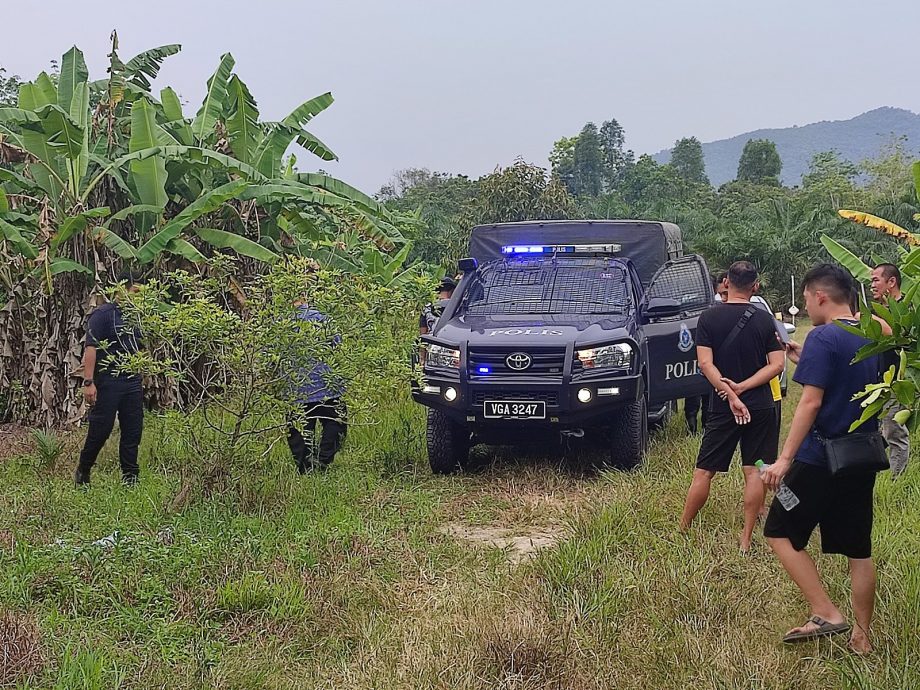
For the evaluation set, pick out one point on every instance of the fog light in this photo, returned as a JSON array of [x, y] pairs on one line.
[[450, 394], [584, 395], [436, 390]]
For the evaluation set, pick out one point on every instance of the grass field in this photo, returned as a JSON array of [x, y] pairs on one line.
[[528, 574]]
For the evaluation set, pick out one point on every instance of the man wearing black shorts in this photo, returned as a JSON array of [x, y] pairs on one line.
[[736, 344], [841, 506]]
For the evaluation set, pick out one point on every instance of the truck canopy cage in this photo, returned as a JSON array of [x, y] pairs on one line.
[[649, 244], [547, 286]]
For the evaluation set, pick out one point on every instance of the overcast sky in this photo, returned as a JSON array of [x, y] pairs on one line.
[[465, 85]]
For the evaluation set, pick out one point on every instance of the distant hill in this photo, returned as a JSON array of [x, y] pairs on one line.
[[856, 139]]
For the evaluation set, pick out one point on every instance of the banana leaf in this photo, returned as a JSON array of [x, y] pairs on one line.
[[239, 244], [215, 100]]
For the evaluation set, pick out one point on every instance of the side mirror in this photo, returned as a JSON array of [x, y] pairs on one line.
[[467, 265], [790, 328], [658, 307]]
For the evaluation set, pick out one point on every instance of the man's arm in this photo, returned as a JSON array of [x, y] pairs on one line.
[[805, 414], [774, 367], [89, 371], [708, 366], [705, 358]]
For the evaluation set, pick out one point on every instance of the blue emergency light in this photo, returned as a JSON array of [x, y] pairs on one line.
[[484, 370], [531, 249]]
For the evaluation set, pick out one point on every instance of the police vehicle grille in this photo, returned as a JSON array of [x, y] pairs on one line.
[[544, 362], [551, 398]]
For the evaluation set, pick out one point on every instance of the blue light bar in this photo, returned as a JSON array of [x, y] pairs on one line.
[[536, 249], [531, 249], [484, 370]]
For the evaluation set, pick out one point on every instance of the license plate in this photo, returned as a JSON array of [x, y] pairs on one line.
[[514, 409]]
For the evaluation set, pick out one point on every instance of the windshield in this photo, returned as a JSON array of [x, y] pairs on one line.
[[547, 286]]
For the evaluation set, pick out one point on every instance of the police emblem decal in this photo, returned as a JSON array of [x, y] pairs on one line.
[[685, 339]]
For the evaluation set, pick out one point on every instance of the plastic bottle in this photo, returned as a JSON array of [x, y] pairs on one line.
[[784, 495]]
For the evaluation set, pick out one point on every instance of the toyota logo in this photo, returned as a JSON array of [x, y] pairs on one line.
[[518, 361]]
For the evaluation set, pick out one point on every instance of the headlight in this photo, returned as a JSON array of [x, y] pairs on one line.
[[618, 356], [440, 356]]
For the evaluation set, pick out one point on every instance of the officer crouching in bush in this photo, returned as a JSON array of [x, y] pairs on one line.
[[109, 392], [319, 393], [432, 311]]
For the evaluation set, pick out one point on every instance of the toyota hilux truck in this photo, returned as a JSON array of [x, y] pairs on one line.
[[564, 328]]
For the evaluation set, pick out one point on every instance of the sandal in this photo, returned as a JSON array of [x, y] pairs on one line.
[[823, 629]]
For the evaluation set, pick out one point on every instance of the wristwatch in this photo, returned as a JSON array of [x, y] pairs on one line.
[[87, 382]]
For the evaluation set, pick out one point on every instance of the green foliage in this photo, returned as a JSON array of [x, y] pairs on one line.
[[687, 160], [175, 191], [9, 89], [902, 382], [519, 192], [233, 351], [588, 162], [617, 158], [760, 163], [48, 448], [593, 161]]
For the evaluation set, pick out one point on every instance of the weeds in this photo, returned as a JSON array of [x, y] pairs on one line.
[[350, 578], [48, 449]]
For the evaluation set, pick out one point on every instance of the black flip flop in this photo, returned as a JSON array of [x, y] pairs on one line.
[[824, 629]]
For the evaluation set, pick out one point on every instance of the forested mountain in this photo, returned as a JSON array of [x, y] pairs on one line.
[[856, 139]]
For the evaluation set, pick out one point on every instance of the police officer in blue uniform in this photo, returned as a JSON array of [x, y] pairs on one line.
[[111, 393], [319, 393]]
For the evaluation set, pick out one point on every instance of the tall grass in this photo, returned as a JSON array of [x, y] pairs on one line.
[[348, 578]]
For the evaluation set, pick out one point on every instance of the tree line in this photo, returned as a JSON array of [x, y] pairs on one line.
[[754, 217]]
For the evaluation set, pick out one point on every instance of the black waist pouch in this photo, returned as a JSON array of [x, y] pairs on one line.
[[862, 453]]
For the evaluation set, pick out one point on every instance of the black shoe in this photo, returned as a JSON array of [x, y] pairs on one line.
[[692, 427], [129, 479], [81, 477]]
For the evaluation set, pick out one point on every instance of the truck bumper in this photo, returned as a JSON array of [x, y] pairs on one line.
[[563, 408]]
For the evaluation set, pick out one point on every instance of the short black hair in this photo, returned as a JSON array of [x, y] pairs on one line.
[[890, 271], [447, 283], [742, 275], [832, 280]]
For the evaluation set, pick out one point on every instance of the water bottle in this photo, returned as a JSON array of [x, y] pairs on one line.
[[784, 495]]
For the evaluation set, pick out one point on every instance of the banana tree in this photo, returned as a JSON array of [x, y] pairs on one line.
[[110, 173]]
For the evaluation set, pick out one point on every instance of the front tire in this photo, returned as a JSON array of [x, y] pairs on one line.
[[448, 443], [629, 436]]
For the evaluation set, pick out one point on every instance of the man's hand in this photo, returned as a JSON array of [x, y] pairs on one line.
[[793, 350], [773, 475], [89, 394], [737, 388], [739, 410]]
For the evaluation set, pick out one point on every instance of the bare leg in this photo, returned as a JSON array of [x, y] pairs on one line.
[[696, 496], [804, 573], [862, 579], [753, 504]]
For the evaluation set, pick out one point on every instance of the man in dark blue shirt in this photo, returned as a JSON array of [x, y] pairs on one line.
[[841, 506], [110, 392]]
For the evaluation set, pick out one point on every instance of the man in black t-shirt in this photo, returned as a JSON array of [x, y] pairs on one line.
[[110, 392], [739, 353]]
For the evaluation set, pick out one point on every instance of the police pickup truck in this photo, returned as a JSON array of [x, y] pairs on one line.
[[564, 328]]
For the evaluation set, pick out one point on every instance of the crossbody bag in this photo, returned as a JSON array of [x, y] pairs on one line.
[[858, 453], [862, 452]]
